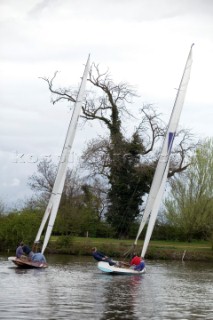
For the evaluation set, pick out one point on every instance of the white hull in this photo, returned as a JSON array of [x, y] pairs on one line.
[[105, 267]]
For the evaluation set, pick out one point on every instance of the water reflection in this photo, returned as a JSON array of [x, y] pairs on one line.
[[120, 293], [73, 288]]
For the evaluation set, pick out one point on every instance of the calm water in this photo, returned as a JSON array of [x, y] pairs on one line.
[[73, 288]]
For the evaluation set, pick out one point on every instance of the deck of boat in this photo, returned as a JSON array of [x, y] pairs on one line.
[[24, 263]]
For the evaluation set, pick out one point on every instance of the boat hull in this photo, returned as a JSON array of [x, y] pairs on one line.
[[106, 268], [27, 263]]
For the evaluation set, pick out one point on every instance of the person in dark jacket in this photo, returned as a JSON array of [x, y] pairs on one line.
[[27, 250], [99, 256]]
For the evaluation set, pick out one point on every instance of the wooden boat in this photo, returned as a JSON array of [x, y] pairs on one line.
[[25, 263]]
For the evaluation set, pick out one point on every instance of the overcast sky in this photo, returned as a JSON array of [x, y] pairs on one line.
[[142, 42]]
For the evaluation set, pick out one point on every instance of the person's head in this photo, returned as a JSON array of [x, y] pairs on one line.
[[21, 243], [94, 249], [26, 249]]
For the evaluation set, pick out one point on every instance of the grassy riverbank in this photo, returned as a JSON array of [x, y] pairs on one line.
[[167, 250]]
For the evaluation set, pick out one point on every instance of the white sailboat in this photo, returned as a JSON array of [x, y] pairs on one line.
[[161, 172], [54, 201]]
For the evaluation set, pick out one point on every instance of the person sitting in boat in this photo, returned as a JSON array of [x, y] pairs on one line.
[[27, 250], [137, 263], [99, 256], [19, 251], [38, 257], [35, 257]]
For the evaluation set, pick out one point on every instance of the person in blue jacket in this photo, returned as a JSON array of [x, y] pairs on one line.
[[39, 257], [19, 250], [36, 257], [99, 256]]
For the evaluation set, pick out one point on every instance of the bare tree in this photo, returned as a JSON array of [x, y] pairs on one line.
[[117, 157], [182, 151], [43, 180]]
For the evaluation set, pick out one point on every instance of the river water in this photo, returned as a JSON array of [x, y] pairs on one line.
[[73, 288]]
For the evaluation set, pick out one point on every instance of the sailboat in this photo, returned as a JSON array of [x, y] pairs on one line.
[[161, 173], [54, 201]]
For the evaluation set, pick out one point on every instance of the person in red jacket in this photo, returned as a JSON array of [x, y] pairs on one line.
[[137, 263]]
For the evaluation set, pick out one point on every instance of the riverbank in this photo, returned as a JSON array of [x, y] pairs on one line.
[[165, 250]]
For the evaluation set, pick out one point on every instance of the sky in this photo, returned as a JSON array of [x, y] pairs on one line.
[[142, 42]]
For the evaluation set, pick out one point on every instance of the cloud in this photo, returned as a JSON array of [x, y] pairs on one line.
[[15, 182], [142, 42]]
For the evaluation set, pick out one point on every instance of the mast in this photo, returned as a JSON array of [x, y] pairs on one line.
[[154, 213], [161, 172], [54, 201]]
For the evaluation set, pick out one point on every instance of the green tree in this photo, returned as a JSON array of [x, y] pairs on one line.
[[189, 207], [81, 203], [19, 226], [128, 183], [81, 215]]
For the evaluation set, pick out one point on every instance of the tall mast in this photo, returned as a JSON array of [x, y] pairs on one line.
[[54, 201], [161, 172]]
